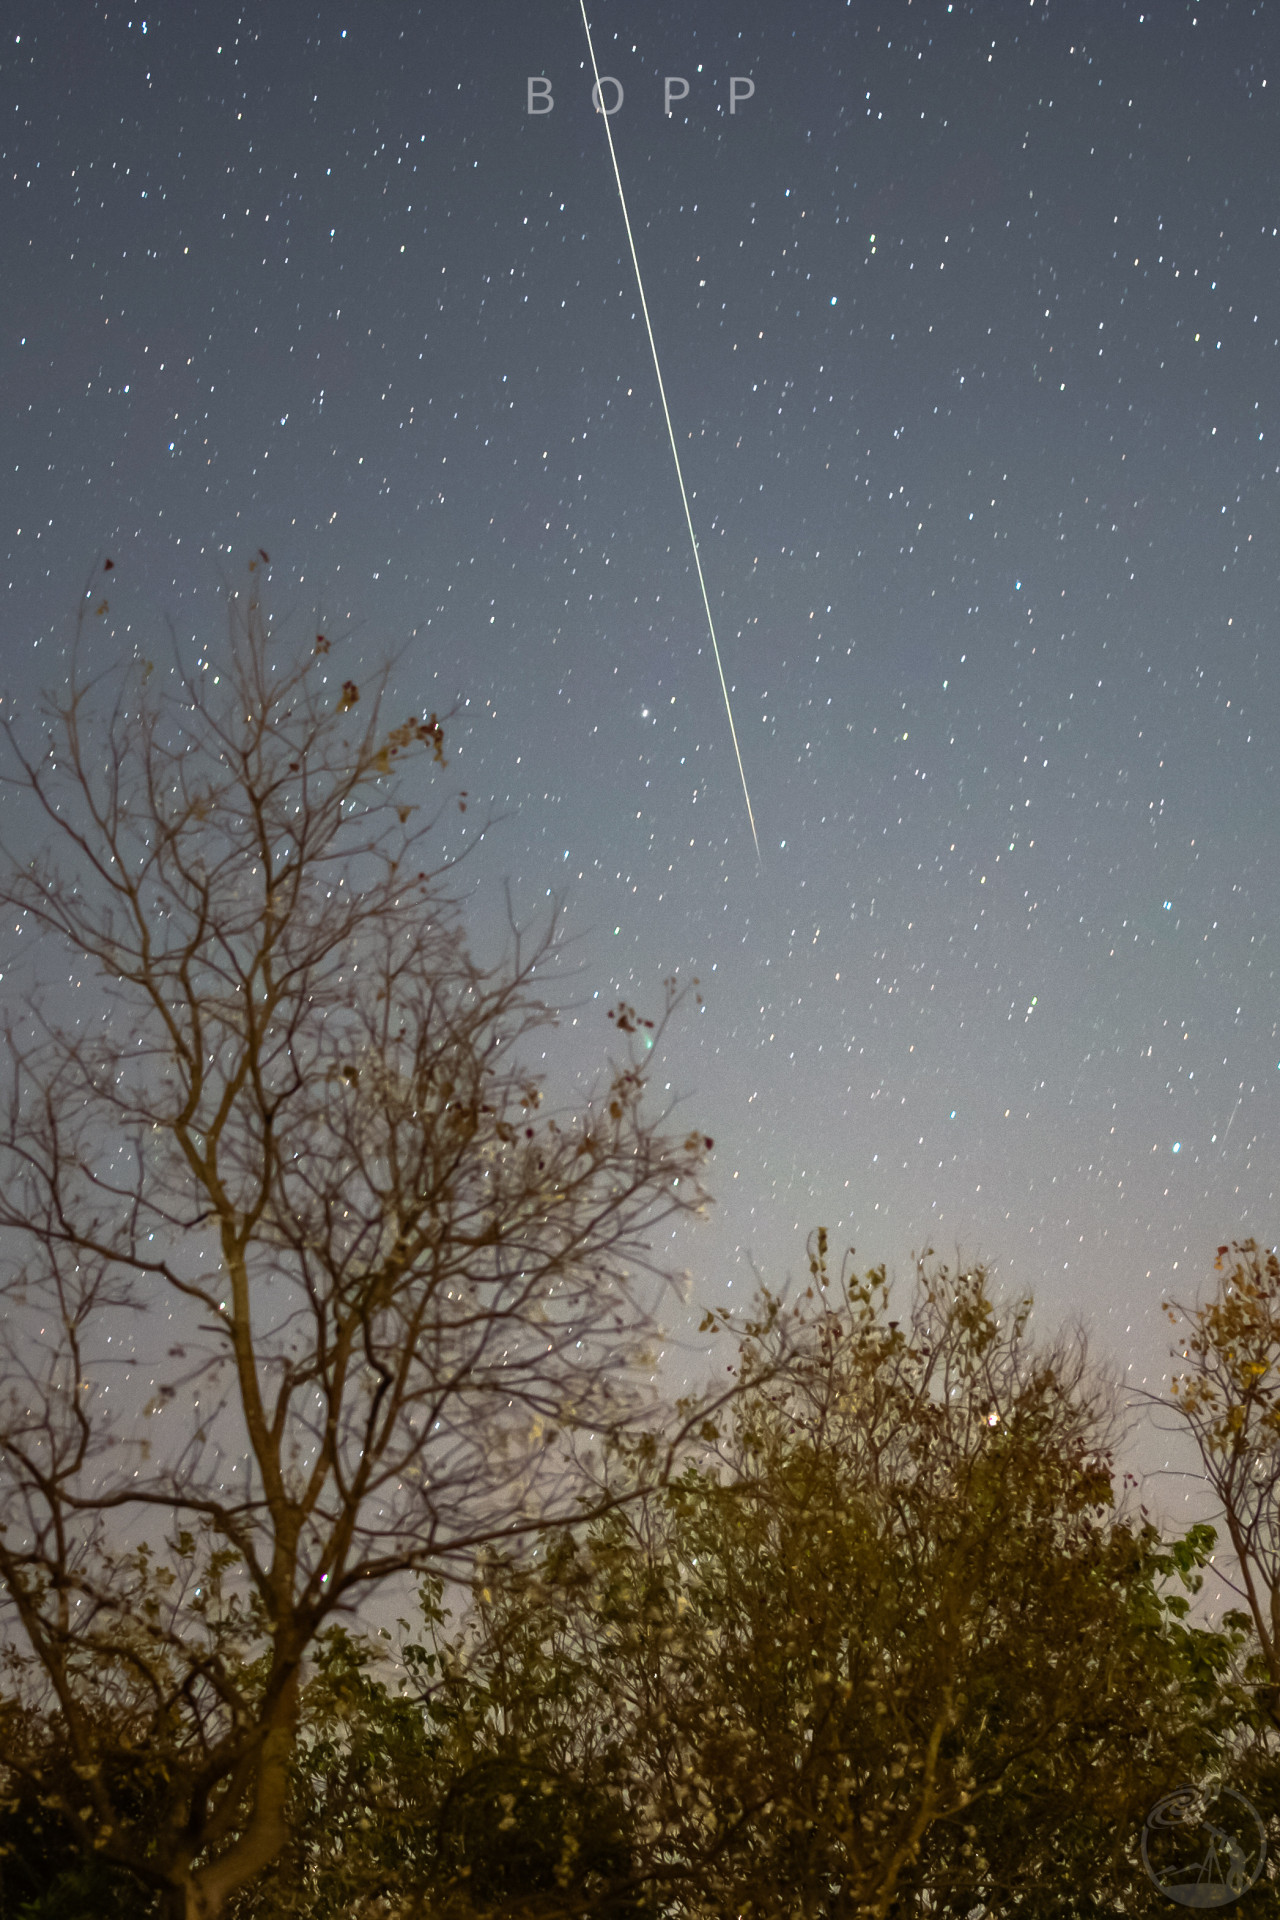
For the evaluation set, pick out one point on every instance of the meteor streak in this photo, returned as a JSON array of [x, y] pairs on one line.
[[693, 538]]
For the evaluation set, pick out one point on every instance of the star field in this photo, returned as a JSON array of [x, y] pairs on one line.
[[969, 326]]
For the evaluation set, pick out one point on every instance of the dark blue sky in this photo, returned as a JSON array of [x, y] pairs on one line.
[[970, 329]]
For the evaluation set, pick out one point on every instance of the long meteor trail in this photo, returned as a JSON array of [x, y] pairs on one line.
[[671, 434]]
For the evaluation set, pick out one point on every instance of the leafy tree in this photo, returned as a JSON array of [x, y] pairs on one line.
[[415, 1796], [369, 1777], [1227, 1394], [1059, 1835], [44, 1875], [897, 1647], [888, 1646], [280, 1150]]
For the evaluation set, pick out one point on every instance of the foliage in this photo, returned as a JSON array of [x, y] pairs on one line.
[[45, 1876], [1228, 1395], [888, 1645]]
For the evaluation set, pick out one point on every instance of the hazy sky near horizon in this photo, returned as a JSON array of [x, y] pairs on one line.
[[969, 322]]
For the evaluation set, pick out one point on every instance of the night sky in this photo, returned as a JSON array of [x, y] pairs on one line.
[[969, 323]]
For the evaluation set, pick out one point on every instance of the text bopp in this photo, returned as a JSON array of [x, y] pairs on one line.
[[674, 87]]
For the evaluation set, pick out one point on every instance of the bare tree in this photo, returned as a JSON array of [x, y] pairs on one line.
[[284, 1159]]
